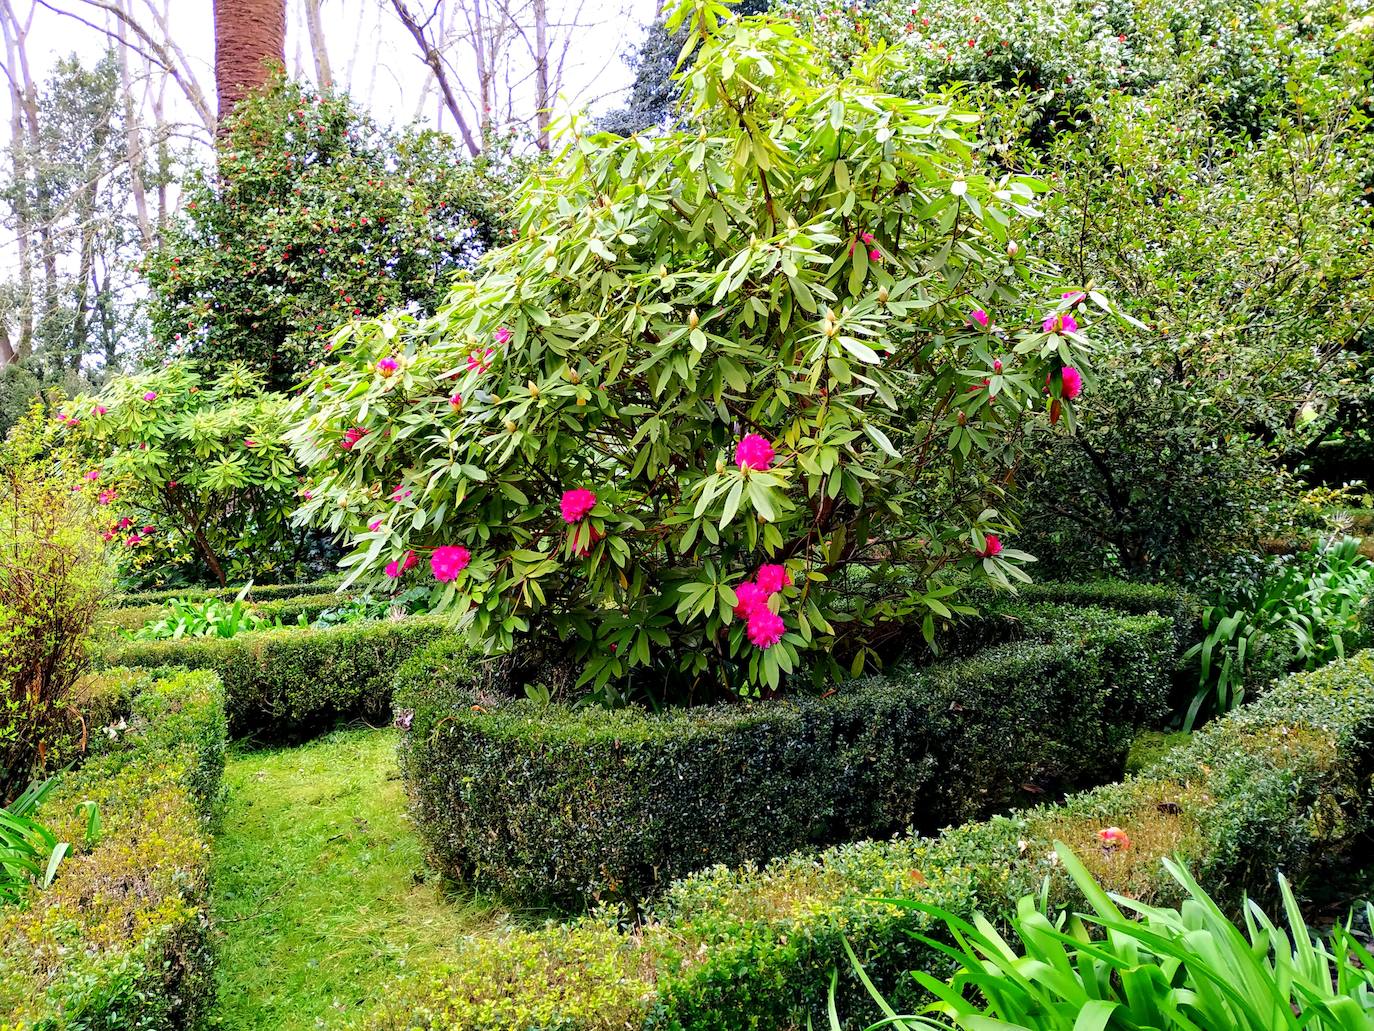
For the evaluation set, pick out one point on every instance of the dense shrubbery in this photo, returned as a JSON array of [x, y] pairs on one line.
[[551, 803], [315, 215], [784, 347], [120, 940], [52, 580], [284, 684], [1281, 784], [193, 473]]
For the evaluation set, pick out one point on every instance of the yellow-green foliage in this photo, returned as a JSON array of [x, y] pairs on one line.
[[119, 939]]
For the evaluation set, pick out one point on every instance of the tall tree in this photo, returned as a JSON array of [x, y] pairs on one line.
[[250, 37]]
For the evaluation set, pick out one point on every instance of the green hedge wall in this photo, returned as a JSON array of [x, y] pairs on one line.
[[121, 938], [1286, 783], [553, 804], [264, 592], [286, 684]]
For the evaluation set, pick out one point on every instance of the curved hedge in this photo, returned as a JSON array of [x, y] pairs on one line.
[[1284, 783], [286, 684], [565, 805], [264, 592], [121, 938]]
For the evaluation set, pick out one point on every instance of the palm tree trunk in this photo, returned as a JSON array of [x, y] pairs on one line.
[[250, 38]]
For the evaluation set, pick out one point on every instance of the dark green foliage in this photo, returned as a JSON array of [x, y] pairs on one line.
[[552, 803], [1283, 783], [316, 215], [286, 684], [121, 938]]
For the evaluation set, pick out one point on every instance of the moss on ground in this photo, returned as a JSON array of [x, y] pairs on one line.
[[321, 896], [1151, 746]]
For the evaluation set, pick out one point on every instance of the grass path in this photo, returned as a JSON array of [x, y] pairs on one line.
[[321, 896]]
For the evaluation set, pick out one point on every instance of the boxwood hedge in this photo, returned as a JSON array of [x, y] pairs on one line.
[[286, 684], [265, 592], [556, 804], [120, 939], [1284, 783]]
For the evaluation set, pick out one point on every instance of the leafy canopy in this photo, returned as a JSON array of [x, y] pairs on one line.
[[803, 264], [195, 476], [315, 215]]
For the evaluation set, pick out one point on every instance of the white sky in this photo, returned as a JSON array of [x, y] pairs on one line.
[[371, 52]]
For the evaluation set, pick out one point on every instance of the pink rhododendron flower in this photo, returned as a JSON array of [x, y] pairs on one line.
[[992, 545], [400, 493], [94, 474], [997, 365], [387, 366], [754, 452], [502, 335], [1072, 383], [866, 237], [587, 541], [448, 561], [100, 409], [480, 363], [106, 496], [456, 401], [374, 525], [980, 316], [410, 561], [133, 541], [765, 627], [146, 530], [749, 596], [125, 523], [1114, 838], [1061, 323], [352, 436], [171, 483], [875, 255], [249, 443], [107, 536], [772, 578], [576, 504], [393, 569], [150, 395]]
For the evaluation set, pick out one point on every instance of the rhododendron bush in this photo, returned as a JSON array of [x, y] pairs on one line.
[[191, 473], [724, 380]]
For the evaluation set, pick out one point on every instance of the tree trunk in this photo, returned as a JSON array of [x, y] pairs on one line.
[[324, 75], [542, 100], [250, 37]]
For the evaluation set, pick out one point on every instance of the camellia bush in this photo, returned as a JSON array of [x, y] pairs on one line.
[[193, 474], [314, 214], [726, 382]]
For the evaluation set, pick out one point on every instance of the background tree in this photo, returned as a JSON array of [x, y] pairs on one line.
[[317, 216]]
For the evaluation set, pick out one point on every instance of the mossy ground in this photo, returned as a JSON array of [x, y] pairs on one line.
[[321, 896]]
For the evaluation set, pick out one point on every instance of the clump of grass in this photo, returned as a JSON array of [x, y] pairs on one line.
[[321, 897]]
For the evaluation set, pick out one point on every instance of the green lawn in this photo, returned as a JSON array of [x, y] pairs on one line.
[[321, 894]]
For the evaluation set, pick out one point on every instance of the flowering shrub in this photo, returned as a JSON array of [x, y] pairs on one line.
[[53, 579], [191, 475], [743, 351], [313, 215]]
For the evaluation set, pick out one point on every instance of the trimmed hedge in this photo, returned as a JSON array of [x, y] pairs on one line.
[[264, 592], [287, 684], [121, 938], [1284, 783], [554, 804], [285, 609]]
